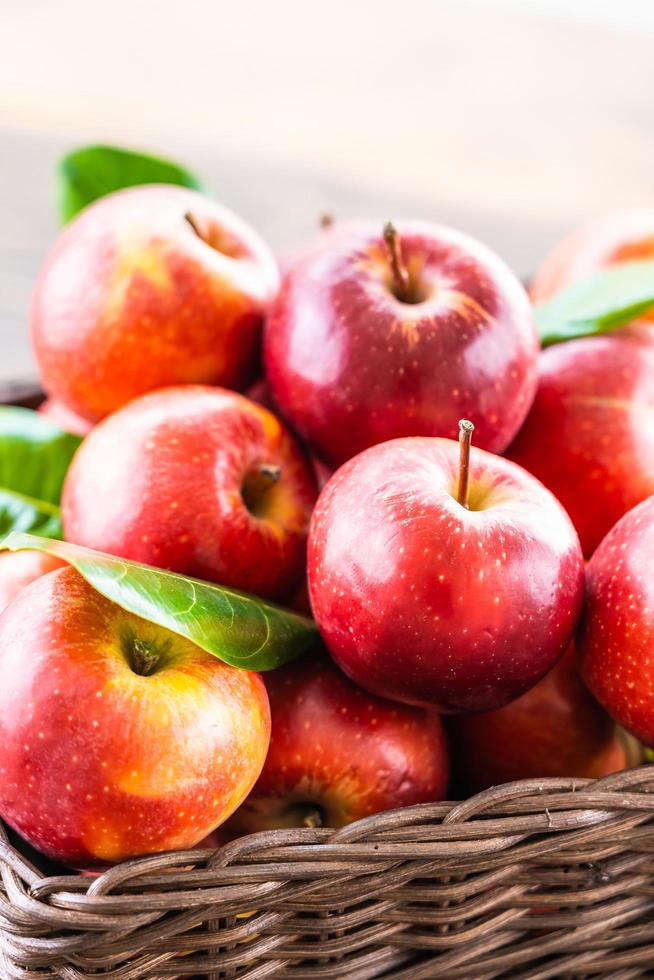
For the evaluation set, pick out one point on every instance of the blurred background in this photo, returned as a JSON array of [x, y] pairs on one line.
[[511, 119]]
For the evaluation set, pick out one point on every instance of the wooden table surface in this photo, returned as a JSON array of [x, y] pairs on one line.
[[497, 117]]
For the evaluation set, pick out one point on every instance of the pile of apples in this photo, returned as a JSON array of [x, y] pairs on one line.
[[391, 366]]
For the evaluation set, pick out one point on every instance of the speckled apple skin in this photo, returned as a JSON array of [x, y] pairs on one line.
[[620, 236], [130, 299], [349, 365], [556, 729], [160, 482], [19, 568], [99, 764], [616, 640], [336, 747], [421, 600], [589, 436]]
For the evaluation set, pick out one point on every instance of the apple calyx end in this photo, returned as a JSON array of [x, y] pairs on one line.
[[466, 428], [144, 659], [313, 818], [307, 814]]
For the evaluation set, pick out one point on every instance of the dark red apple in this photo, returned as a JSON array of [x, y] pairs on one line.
[[323, 473], [590, 433], [117, 737], [377, 336], [198, 480], [621, 236], [337, 753], [435, 583], [616, 640], [19, 568], [259, 393], [555, 729], [149, 287]]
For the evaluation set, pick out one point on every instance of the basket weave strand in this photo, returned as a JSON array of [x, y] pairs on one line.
[[537, 879]]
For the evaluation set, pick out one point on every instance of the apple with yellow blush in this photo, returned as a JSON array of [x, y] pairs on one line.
[[148, 287], [118, 738]]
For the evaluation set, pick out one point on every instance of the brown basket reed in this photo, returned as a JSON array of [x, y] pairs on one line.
[[536, 879]]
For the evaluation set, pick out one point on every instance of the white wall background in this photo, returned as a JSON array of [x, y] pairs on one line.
[[539, 108]]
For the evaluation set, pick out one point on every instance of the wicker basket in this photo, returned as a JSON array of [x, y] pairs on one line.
[[530, 879], [537, 879]]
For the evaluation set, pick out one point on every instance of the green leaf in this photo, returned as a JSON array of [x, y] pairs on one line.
[[239, 629], [604, 301], [34, 457], [93, 171]]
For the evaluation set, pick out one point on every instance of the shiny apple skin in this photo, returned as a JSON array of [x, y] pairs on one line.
[[616, 638], [62, 416], [99, 763], [161, 480], [339, 753], [555, 729], [620, 236], [131, 299], [589, 436], [19, 568], [350, 366], [423, 601]]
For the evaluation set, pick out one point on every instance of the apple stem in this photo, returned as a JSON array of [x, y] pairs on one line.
[[192, 222], [326, 220], [401, 283], [466, 429], [258, 482]]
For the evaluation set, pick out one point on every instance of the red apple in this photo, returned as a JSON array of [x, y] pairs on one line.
[[19, 568], [433, 592], [259, 393], [198, 480], [337, 753], [616, 641], [148, 287], [590, 434], [377, 336], [618, 237], [62, 416], [117, 737], [323, 473], [555, 729]]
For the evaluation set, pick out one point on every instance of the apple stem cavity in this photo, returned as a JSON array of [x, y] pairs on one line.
[[257, 484], [466, 429], [401, 281]]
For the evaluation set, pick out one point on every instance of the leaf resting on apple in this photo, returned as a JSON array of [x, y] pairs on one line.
[[239, 629], [597, 304], [93, 171], [34, 457]]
